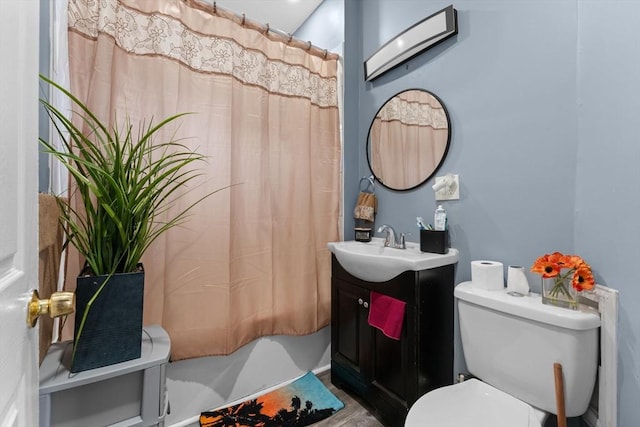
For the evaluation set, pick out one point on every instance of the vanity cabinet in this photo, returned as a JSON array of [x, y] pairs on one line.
[[390, 375]]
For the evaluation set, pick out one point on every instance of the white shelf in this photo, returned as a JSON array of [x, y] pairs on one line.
[[131, 393]]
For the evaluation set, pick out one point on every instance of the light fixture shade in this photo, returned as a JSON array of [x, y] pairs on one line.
[[423, 35]]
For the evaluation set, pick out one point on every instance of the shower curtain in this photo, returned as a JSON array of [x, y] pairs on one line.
[[251, 259]]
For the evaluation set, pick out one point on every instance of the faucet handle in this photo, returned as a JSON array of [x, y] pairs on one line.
[[403, 244]]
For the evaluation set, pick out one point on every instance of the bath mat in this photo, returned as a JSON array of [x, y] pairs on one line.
[[300, 403]]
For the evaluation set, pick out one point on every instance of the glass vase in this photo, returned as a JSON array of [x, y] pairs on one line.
[[559, 292]]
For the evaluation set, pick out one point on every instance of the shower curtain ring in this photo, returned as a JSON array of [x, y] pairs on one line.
[[290, 38], [266, 31], [215, 8], [325, 54], [309, 45], [243, 19]]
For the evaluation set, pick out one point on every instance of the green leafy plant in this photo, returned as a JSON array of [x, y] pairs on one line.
[[127, 184]]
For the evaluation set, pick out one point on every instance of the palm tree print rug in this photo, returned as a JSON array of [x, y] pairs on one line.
[[300, 403]]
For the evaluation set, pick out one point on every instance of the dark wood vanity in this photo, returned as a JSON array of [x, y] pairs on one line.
[[390, 375]]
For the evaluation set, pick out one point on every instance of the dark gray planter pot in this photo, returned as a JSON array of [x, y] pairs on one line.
[[113, 330]]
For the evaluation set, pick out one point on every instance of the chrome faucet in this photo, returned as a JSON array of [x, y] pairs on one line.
[[390, 239]]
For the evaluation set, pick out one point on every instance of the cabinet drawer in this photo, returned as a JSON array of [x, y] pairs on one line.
[[399, 287]]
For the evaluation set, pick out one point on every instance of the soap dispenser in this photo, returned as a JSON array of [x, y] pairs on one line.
[[440, 219]]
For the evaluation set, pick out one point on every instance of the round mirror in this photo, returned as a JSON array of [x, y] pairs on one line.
[[408, 139]]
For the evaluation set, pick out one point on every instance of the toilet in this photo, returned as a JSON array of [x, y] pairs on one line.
[[510, 345]]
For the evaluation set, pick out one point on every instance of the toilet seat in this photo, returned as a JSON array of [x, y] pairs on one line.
[[471, 403]]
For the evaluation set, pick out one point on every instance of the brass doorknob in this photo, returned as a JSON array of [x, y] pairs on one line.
[[60, 304]]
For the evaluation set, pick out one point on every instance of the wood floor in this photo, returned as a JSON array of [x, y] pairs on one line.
[[352, 415]]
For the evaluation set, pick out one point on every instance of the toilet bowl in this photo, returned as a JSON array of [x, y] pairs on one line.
[[472, 403], [510, 344]]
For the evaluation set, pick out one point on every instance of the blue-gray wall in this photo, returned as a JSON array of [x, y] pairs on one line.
[[607, 207], [325, 27], [544, 108]]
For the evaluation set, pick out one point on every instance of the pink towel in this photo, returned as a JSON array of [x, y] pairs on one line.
[[387, 314]]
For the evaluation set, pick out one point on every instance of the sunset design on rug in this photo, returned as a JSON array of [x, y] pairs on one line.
[[301, 403]]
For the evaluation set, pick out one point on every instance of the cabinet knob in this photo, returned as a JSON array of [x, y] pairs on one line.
[[365, 304], [360, 301]]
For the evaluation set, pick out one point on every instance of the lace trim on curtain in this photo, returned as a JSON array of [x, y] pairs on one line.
[[156, 34], [413, 113]]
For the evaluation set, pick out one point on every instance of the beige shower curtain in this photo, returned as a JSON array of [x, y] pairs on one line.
[[252, 259]]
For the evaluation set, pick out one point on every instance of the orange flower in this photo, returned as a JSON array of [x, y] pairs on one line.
[[583, 278], [573, 261], [546, 267], [558, 258], [552, 265]]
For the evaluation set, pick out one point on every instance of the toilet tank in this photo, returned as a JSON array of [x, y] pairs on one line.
[[512, 343]]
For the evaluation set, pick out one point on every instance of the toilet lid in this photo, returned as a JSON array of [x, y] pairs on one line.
[[470, 403]]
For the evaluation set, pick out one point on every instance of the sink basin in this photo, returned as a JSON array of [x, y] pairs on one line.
[[374, 262]]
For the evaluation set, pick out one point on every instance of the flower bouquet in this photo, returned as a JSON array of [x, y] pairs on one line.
[[563, 276]]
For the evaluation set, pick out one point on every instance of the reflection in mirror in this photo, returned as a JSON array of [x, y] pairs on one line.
[[408, 139]]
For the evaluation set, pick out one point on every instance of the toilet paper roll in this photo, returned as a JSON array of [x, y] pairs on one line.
[[487, 275], [517, 280]]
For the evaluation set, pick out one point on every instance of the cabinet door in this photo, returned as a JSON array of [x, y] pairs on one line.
[[393, 371], [350, 332], [393, 361]]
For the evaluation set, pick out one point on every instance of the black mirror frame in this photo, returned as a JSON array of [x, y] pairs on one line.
[[444, 154]]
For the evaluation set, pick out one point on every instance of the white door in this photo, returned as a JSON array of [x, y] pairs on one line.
[[19, 27]]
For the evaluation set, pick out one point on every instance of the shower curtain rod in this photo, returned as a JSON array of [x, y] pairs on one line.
[[275, 33]]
